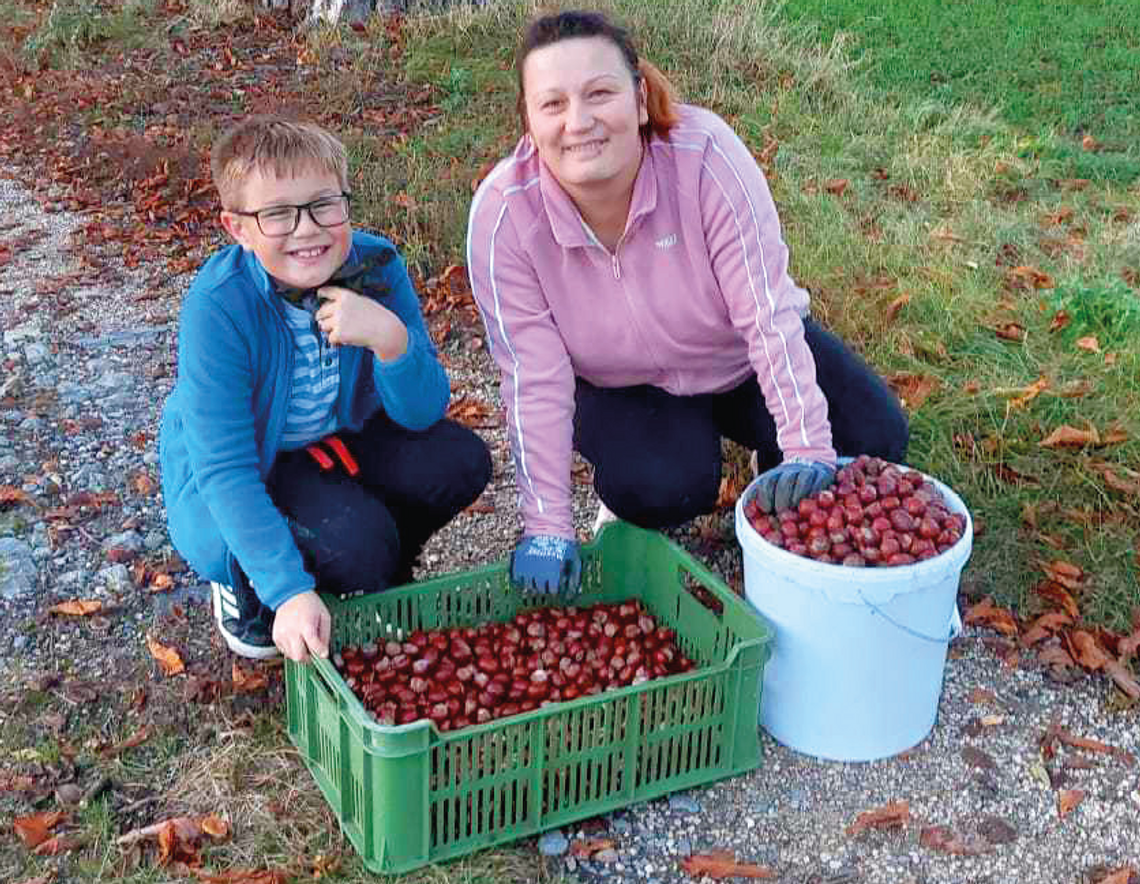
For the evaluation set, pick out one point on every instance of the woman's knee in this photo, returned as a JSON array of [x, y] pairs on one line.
[[659, 500]]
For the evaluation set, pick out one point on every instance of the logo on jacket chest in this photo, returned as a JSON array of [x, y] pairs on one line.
[[666, 242]]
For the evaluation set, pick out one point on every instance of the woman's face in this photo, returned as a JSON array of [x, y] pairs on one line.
[[584, 114]]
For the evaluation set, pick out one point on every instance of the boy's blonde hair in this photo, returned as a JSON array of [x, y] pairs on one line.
[[273, 146]]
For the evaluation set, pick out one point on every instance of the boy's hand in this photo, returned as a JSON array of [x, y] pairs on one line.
[[348, 318], [302, 626]]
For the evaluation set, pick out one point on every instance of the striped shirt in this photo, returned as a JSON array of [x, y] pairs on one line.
[[695, 298], [316, 381]]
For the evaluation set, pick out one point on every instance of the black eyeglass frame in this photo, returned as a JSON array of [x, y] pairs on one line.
[[304, 207]]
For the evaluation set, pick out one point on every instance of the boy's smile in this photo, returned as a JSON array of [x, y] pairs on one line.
[[308, 256]]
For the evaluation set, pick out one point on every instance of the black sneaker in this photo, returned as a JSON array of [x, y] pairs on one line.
[[245, 623]]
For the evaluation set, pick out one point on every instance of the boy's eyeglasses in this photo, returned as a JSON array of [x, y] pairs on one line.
[[328, 211]]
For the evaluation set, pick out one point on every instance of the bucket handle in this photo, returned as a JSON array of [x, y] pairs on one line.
[[955, 623]]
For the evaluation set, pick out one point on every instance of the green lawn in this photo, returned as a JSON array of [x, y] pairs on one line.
[[1056, 70]]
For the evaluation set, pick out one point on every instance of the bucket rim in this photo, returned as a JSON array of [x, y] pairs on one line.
[[901, 577]]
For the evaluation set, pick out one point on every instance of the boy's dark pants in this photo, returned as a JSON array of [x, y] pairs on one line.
[[364, 533], [657, 457]]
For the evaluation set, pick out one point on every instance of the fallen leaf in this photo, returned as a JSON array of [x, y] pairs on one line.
[[1123, 678], [977, 758], [10, 496], [985, 613], [1067, 799], [1067, 574], [1056, 732], [1122, 875], [895, 306], [913, 389], [1089, 344], [719, 865], [136, 739], [1010, 331], [161, 583], [186, 828], [246, 681], [244, 876], [1052, 591], [58, 844], [1118, 478], [1027, 394], [1028, 278], [77, 607], [1089, 143], [584, 848], [983, 695], [996, 830], [1085, 650], [1060, 320], [33, 830], [1070, 437], [836, 186], [1055, 655], [946, 840], [167, 658], [890, 816]]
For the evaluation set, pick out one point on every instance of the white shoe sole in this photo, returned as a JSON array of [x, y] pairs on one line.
[[604, 517], [225, 605]]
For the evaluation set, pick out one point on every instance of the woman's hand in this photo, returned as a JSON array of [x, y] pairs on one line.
[[783, 487], [546, 564], [348, 318], [302, 626]]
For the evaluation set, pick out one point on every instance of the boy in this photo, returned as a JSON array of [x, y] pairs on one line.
[[304, 442]]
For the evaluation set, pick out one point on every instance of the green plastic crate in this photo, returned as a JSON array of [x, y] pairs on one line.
[[408, 795]]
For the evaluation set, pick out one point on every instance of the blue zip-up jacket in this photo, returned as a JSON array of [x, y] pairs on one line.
[[222, 424]]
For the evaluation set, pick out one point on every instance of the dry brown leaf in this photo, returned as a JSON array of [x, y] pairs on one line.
[[1059, 321], [986, 613], [50, 877], [836, 186], [1027, 394], [1025, 277], [890, 816], [1069, 739], [1114, 436], [1118, 478], [721, 864], [1055, 655], [168, 659], [77, 607], [136, 739], [983, 696], [58, 844], [161, 583], [246, 681], [1053, 592], [10, 495], [33, 830], [913, 389], [584, 848], [895, 306], [1067, 574], [1085, 650], [1070, 437], [1122, 875], [1010, 331], [243, 876], [1067, 799], [946, 840], [1089, 344], [1123, 678]]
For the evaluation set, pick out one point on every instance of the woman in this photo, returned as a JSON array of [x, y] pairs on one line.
[[630, 269]]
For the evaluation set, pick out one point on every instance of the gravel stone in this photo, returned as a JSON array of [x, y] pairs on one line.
[[553, 844]]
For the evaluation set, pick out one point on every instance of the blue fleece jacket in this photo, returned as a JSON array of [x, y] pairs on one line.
[[222, 424]]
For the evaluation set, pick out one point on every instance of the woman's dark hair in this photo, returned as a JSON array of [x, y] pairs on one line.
[[661, 98]]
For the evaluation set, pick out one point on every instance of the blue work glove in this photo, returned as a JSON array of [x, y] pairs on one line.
[[785, 486], [545, 564]]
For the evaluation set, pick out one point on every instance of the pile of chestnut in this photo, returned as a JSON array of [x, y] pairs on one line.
[[464, 676], [876, 513]]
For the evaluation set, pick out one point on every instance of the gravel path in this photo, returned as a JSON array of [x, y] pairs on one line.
[[88, 358]]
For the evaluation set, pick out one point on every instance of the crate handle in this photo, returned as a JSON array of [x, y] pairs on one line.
[[322, 679]]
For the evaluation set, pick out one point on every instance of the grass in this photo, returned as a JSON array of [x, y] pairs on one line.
[[1055, 71], [962, 213]]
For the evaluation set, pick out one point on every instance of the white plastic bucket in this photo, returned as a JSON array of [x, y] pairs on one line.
[[859, 653]]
